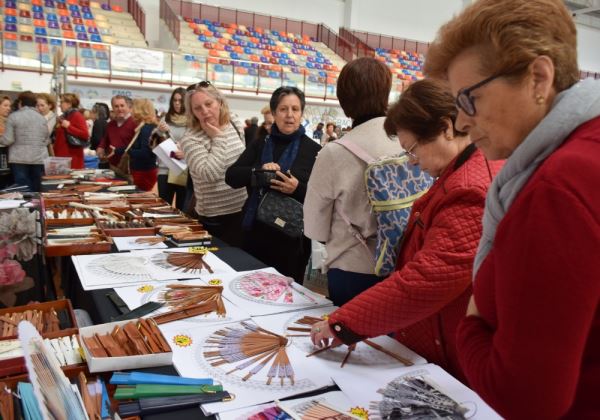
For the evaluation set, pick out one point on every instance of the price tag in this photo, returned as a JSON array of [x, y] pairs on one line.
[[201, 249]]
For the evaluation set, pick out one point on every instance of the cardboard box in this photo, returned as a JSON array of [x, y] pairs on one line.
[[104, 364]]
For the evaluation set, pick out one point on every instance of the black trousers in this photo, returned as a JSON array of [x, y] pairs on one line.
[[167, 191], [287, 255], [227, 227]]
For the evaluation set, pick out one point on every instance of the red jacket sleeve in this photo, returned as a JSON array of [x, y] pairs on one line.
[[439, 272], [547, 288], [78, 127]]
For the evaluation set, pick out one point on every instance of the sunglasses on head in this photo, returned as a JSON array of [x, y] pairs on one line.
[[203, 84]]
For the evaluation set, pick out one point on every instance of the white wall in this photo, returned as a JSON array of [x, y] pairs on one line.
[[12, 80], [151, 9], [412, 19], [330, 12], [588, 40]]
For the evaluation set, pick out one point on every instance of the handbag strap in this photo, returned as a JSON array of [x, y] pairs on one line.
[[236, 130], [138, 129]]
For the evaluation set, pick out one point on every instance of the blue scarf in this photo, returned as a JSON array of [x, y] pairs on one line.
[[285, 162]]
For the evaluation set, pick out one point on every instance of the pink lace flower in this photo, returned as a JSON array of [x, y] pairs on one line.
[[7, 250], [11, 272]]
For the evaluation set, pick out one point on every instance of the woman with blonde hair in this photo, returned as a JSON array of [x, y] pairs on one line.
[[530, 343], [70, 124], [213, 142], [142, 163]]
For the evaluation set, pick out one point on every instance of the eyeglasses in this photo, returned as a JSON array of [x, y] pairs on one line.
[[409, 152], [203, 84], [466, 102]]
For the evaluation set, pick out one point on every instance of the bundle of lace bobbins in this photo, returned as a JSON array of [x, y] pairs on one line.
[[44, 322], [131, 339]]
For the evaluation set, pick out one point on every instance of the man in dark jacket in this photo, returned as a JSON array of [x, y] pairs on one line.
[[250, 131]]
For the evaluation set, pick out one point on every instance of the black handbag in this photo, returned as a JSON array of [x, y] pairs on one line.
[[281, 212], [71, 139], [76, 141]]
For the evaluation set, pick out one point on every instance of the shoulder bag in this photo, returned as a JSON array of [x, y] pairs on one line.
[[282, 213], [74, 140], [122, 168]]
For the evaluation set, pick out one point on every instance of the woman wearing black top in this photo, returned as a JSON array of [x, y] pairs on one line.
[[100, 113], [289, 152]]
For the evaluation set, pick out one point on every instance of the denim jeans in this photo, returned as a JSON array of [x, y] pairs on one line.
[[345, 285], [30, 175]]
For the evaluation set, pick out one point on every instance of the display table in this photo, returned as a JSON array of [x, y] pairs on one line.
[[101, 309]]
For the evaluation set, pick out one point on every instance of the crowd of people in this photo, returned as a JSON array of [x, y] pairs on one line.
[[496, 279]]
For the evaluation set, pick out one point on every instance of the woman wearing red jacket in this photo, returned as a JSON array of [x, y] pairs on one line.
[[73, 123], [530, 343], [427, 295]]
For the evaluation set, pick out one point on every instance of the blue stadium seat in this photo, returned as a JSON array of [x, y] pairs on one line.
[[90, 63]]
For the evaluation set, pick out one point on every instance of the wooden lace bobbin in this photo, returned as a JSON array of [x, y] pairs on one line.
[[153, 326], [148, 335], [88, 401], [53, 322], [6, 403], [122, 339], [136, 338], [94, 346], [111, 346]]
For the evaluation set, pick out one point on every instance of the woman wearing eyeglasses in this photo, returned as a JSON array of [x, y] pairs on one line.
[[530, 344], [290, 155], [425, 298], [213, 142]]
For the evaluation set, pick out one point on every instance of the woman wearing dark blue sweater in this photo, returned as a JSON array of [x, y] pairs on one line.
[[142, 163]]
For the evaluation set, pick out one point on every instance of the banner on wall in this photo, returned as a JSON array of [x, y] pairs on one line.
[[315, 114], [89, 95], [136, 59]]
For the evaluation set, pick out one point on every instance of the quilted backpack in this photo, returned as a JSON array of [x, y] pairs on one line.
[[392, 185]]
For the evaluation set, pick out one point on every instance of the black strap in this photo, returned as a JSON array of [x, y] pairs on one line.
[[236, 130], [465, 155]]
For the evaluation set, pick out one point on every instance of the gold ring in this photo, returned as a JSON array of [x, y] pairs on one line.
[[318, 329]]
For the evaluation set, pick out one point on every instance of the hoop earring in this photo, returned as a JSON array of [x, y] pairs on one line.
[[540, 100]]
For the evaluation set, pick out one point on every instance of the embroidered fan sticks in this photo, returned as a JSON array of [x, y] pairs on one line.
[[188, 300], [250, 347], [188, 261]]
